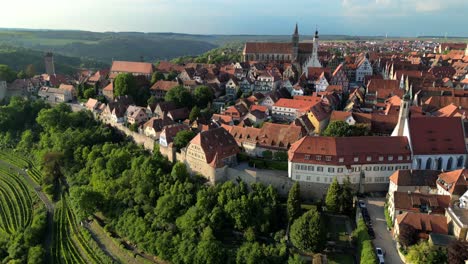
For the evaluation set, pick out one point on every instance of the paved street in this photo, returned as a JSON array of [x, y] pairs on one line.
[[383, 238]]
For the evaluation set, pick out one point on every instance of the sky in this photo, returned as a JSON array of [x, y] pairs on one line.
[[347, 17]]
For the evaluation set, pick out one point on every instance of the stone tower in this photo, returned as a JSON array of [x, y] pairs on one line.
[[313, 60], [295, 44], [403, 116], [49, 63]]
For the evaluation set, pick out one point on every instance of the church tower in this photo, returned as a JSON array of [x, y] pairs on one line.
[[314, 59], [295, 44], [49, 63], [403, 116]]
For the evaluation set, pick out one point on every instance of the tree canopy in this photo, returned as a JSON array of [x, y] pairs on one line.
[[333, 200], [180, 96], [307, 232], [343, 129], [294, 202], [182, 138], [6, 73], [424, 253], [203, 95], [125, 84]]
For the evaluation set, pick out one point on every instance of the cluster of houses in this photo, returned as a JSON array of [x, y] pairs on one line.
[[433, 202]]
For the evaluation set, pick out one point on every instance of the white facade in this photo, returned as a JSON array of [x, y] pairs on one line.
[[313, 61], [439, 162], [321, 84], [55, 95], [284, 113], [363, 70], [373, 173]]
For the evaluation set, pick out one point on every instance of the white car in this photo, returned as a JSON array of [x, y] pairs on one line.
[[380, 255], [362, 204]]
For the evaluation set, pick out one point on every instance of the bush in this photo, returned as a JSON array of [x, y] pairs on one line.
[[388, 219], [368, 255]]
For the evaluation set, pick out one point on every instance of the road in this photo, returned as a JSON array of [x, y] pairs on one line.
[[383, 238]]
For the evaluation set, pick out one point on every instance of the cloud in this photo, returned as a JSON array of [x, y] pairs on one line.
[[387, 8]]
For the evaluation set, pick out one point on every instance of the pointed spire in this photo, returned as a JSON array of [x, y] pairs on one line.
[[296, 30], [316, 31]]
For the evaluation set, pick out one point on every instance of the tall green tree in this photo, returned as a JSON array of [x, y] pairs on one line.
[[307, 232], [209, 250], [332, 200], [346, 197], [424, 253], [337, 129], [194, 113], [182, 138], [125, 84], [180, 96], [294, 202], [6, 73], [203, 95], [157, 76]]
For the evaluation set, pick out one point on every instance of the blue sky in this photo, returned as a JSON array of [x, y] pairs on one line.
[[351, 17]]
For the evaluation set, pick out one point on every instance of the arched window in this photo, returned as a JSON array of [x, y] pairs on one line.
[[460, 162], [450, 163], [429, 164], [418, 164], [439, 163]]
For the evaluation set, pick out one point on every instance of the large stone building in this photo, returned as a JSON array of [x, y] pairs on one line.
[[318, 160], [49, 63], [293, 51]]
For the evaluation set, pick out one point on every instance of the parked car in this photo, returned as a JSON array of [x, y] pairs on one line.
[[380, 255], [362, 204]]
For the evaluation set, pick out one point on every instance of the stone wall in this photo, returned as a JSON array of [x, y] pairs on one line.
[[147, 142]]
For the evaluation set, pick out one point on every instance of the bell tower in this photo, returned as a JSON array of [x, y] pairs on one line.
[[295, 44], [403, 116]]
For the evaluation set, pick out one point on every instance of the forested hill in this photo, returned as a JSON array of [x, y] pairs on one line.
[[19, 58]]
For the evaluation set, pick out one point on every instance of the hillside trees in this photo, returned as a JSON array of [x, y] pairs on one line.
[[125, 84]]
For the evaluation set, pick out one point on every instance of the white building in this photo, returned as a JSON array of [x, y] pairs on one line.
[[290, 109], [55, 95], [364, 68], [365, 160], [313, 61]]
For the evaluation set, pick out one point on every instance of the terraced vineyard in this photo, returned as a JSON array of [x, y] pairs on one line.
[[71, 242], [16, 203], [22, 162]]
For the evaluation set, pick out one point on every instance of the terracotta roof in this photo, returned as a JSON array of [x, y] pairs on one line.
[[320, 111], [424, 223], [295, 104], [164, 85], [437, 135], [260, 108], [455, 182], [375, 85], [339, 115], [450, 110], [415, 177], [225, 119], [132, 67], [349, 148], [109, 87], [268, 47], [217, 145], [170, 131], [92, 104], [166, 66], [412, 201], [157, 123]]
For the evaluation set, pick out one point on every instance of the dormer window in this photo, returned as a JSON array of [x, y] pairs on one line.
[[328, 158], [341, 159], [318, 157], [390, 157], [369, 158], [381, 158], [400, 157], [307, 157], [356, 159]]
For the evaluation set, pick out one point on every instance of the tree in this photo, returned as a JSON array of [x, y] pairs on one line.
[[172, 76], [26, 142], [182, 138], [368, 255], [307, 232], [359, 130], [294, 202], [30, 70], [21, 75], [280, 156], [346, 197], [457, 252], [125, 84], [6, 73], [89, 93], [86, 201], [407, 235], [296, 259], [267, 154], [194, 113], [152, 101], [203, 95], [180, 96], [337, 129], [209, 250], [157, 76], [424, 253], [36, 255], [332, 200]]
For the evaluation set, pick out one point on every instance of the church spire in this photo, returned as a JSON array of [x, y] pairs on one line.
[[296, 30]]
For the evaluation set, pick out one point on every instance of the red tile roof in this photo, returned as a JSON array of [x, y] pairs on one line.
[[350, 147], [163, 85], [455, 182], [132, 67], [415, 177], [411, 201], [424, 223], [295, 104], [437, 135], [217, 144]]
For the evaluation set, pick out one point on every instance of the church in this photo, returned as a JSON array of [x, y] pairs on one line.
[[302, 54]]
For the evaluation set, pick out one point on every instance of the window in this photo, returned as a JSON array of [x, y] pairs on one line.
[[376, 168], [308, 178], [319, 168], [390, 168], [356, 159], [408, 157], [397, 167], [318, 179], [390, 157], [381, 158], [310, 168], [297, 166], [369, 158], [328, 158], [341, 160], [400, 157], [298, 177], [331, 170], [318, 157], [307, 157], [340, 170], [383, 168]]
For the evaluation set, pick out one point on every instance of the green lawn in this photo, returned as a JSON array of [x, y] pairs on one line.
[[340, 258], [307, 207]]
